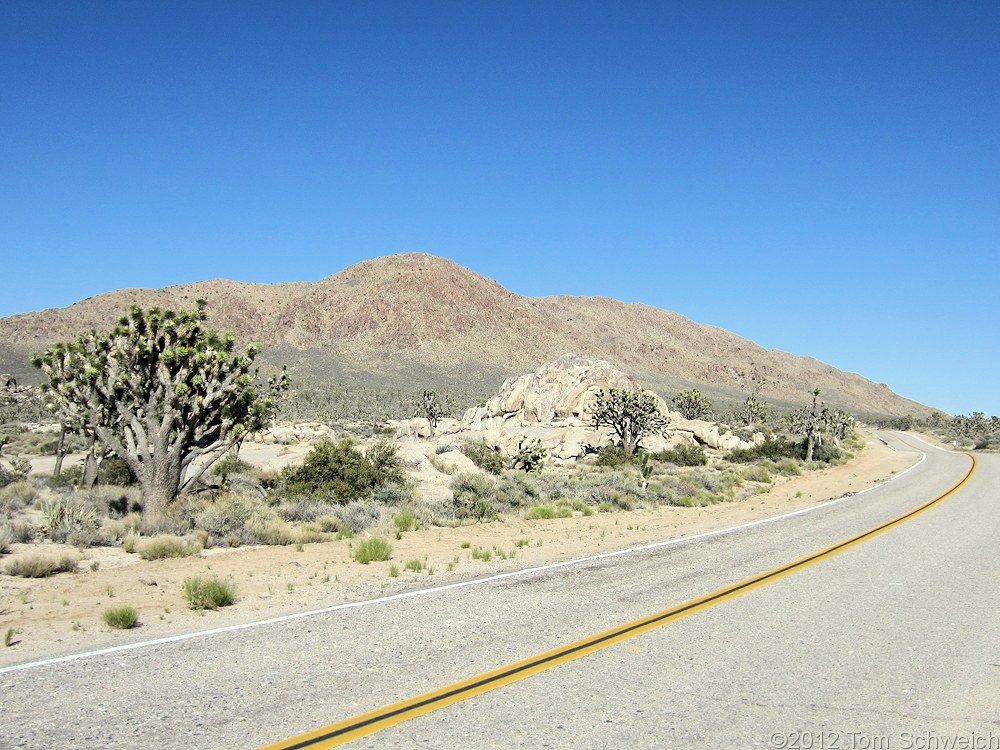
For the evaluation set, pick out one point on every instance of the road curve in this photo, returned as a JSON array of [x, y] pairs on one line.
[[897, 635]]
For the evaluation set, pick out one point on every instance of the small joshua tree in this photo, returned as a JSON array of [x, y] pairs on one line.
[[753, 411], [692, 404], [433, 406], [159, 391], [631, 415], [812, 421]]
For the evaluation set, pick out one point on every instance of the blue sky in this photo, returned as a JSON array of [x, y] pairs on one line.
[[820, 178]]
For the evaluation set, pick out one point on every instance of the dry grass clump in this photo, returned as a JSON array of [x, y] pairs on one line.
[[120, 618], [40, 566], [164, 547]]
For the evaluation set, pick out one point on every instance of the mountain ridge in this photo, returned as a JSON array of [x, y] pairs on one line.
[[412, 310]]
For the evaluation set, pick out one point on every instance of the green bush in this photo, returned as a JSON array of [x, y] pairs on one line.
[[758, 473], [773, 449], [208, 593], [486, 458], [685, 454], [343, 473], [827, 452], [373, 549], [474, 496], [405, 521], [120, 618], [115, 471], [614, 456], [39, 566], [545, 512], [164, 547]]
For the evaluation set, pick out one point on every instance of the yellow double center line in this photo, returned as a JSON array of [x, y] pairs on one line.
[[348, 730]]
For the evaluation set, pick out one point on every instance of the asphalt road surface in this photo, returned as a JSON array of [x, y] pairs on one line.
[[894, 643]]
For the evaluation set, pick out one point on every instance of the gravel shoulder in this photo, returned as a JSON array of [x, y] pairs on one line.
[[62, 615]]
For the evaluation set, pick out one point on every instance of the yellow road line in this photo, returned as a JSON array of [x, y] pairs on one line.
[[354, 728]]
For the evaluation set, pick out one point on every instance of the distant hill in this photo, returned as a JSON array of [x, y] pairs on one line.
[[415, 321]]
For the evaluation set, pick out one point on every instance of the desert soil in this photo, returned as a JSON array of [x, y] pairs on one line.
[[62, 614]]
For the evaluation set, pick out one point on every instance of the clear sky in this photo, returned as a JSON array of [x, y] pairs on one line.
[[818, 177]]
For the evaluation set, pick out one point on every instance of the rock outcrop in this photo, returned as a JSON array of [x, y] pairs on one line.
[[558, 391]]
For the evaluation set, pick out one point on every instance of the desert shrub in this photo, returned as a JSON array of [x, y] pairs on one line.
[[486, 458], [787, 466], [515, 490], [614, 456], [70, 476], [16, 496], [391, 494], [544, 512], [302, 509], [826, 452], [120, 618], [63, 516], [6, 539], [405, 521], [164, 547], [360, 515], [40, 566], [229, 514], [773, 449], [208, 593], [23, 532], [232, 464], [265, 529], [373, 549], [685, 454], [312, 536], [16, 470], [115, 471], [609, 497], [341, 472], [757, 473], [328, 524], [474, 496]]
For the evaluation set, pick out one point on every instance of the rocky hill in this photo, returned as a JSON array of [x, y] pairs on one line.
[[413, 321]]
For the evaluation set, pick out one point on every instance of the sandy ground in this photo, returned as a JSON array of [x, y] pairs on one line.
[[62, 614]]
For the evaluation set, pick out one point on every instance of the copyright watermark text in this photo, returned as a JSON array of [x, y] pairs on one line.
[[827, 739]]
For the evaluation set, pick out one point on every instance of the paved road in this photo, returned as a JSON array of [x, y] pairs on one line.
[[894, 643]]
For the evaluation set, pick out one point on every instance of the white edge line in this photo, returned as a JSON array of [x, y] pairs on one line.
[[449, 586]]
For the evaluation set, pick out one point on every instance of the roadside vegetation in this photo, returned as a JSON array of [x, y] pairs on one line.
[[203, 495]]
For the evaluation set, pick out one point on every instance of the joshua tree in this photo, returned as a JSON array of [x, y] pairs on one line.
[[630, 414], [160, 391], [753, 411], [692, 404], [433, 406], [812, 422]]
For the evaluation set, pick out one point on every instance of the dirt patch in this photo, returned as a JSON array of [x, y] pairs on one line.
[[62, 614]]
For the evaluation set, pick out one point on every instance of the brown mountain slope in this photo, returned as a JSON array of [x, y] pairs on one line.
[[428, 320]]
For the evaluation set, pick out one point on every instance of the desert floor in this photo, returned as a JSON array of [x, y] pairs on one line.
[[62, 614]]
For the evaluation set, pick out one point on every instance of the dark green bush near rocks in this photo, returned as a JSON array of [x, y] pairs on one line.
[[685, 454], [615, 455], [486, 458], [340, 472], [774, 449]]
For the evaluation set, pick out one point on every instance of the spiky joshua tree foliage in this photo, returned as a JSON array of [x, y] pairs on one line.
[[161, 391], [693, 404], [631, 415]]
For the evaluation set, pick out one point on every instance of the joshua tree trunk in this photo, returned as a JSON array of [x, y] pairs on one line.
[[60, 451]]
